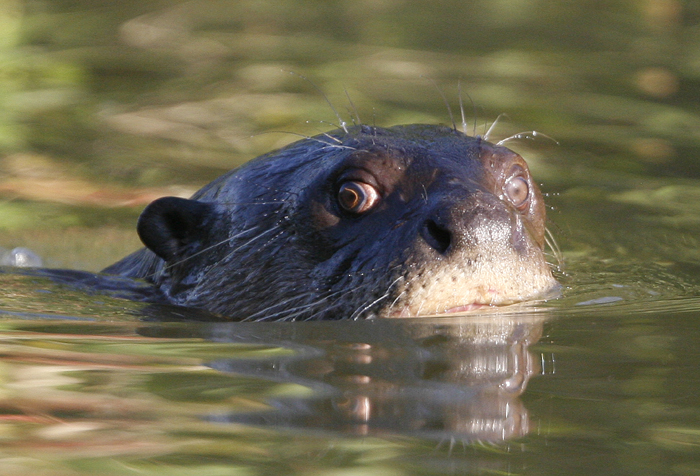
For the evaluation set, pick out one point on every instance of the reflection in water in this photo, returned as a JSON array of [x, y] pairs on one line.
[[388, 397], [440, 378], [447, 378]]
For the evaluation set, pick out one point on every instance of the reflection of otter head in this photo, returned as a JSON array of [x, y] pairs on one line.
[[468, 383], [406, 221], [440, 378], [491, 357]]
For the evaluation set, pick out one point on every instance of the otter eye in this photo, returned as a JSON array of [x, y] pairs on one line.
[[517, 191], [357, 197]]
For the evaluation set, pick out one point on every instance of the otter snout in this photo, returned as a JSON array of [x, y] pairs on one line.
[[482, 221]]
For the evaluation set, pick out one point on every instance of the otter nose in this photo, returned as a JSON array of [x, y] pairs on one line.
[[481, 222], [437, 236]]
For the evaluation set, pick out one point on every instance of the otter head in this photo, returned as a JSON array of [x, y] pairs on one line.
[[405, 221]]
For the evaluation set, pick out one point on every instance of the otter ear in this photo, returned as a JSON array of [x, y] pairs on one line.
[[169, 225]]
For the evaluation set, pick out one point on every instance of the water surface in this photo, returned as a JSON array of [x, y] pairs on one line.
[[106, 106]]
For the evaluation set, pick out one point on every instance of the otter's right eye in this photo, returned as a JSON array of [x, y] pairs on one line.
[[357, 197]]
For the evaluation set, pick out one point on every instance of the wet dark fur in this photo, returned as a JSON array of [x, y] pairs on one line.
[[268, 241]]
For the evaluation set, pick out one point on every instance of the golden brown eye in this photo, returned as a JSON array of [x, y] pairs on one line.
[[357, 197], [517, 191]]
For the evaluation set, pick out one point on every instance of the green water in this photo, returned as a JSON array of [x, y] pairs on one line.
[[107, 105]]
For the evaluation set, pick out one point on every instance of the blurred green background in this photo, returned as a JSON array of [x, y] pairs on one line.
[[107, 105]]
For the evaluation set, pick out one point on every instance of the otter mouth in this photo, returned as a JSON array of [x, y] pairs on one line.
[[502, 305], [466, 308], [406, 312], [459, 310]]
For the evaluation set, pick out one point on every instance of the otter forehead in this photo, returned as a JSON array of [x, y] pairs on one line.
[[370, 222], [414, 157], [404, 144]]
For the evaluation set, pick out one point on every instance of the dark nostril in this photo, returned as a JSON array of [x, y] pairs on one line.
[[436, 236]]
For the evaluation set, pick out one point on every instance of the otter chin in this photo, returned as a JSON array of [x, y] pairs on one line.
[[371, 222]]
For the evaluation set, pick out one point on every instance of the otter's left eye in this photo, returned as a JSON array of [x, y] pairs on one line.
[[357, 197], [517, 191]]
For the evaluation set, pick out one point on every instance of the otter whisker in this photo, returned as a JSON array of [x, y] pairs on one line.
[[327, 310], [493, 125], [405, 291], [554, 246], [253, 239], [304, 136], [292, 313], [343, 124], [397, 299], [233, 252], [336, 304], [332, 306], [359, 311], [326, 134], [447, 103], [264, 312], [428, 292], [461, 108], [275, 228], [527, 135], [338, 141], [354, 109], [204, 250]]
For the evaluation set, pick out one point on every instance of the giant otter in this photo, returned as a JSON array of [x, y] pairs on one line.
[[361, 223]]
